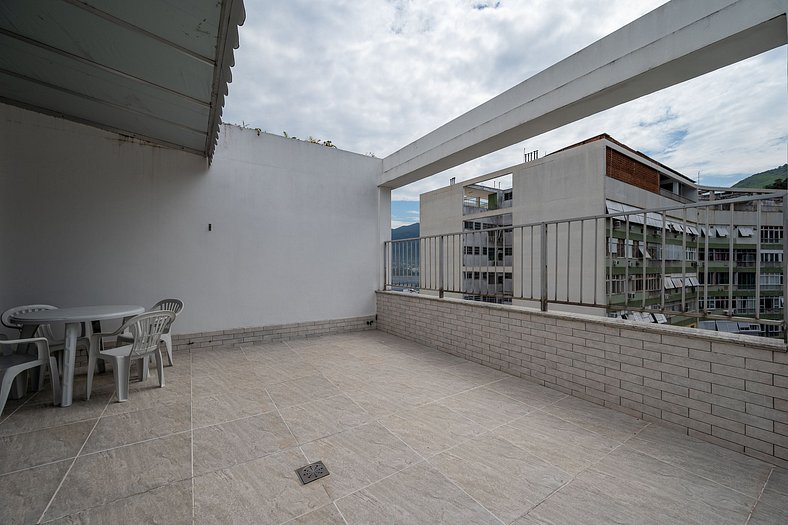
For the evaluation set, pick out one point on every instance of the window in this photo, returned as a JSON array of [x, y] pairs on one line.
[[615, 285], [771, 279], [769, 256], [507, 196], [771, 234]]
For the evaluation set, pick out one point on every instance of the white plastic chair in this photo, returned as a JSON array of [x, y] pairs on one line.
[[44, 330], [146, 330], [14, 363], [165, 305]]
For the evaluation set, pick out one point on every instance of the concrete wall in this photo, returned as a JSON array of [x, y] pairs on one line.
[[90, 217], [728, 389]]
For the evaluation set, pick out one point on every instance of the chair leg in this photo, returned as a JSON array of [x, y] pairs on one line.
[[144, 364], [41, 372], [56, 380], [121, 372], [160, 367], [20, 385], [167, 338], [5, 389]]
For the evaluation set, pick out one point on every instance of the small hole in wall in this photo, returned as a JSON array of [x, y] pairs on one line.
[[210, 226]]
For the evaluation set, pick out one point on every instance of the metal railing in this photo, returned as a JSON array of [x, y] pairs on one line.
[[619, 262]]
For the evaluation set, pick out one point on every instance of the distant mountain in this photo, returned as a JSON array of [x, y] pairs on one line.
[[764, 178], [408, 231]]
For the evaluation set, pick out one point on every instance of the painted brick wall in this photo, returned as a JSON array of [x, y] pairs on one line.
[[728, 389], [264, 334]]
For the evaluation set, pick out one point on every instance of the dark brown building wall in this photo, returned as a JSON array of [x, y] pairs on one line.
[[625, 169]]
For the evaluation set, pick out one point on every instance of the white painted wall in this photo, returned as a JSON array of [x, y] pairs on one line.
[[89, 217]]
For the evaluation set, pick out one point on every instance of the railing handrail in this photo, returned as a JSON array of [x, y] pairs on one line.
[[704, 204]]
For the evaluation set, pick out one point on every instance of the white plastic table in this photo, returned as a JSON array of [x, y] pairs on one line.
[[73, 318]]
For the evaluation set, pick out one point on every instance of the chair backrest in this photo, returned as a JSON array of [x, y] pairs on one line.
[[6, 316], [168, 305], [147, 329]]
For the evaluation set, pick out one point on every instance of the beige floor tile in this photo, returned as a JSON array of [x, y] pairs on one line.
[[171, 504], [35, 416], [526, 392], [218, 402], [227, 444], [26, 450], [504, 478], [630, 487], [596, 418], [327, 515], [302, 390], [726, 467], [357, 457], [558, 442], [25, 494], [417, 495], [486, 407], [431, 429], [133, 427], [265, 490], [324, 417], [103, 477]]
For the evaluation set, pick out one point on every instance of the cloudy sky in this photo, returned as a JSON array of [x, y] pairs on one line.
[[373, 76]]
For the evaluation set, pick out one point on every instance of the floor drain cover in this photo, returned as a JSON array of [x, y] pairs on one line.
[[312, 472]]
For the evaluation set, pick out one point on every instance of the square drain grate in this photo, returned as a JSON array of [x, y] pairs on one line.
[[312, 472]]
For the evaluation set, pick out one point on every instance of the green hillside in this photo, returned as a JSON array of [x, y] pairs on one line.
[[762, 179]]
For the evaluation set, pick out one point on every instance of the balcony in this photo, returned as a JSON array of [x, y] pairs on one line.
[[121, 186], [408, 433]]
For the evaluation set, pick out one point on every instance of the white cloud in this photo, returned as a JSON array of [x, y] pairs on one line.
[[373, 76]]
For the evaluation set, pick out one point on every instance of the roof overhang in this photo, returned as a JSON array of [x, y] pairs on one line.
[[157, 71]]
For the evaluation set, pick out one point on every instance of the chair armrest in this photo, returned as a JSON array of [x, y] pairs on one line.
[[41, 344]]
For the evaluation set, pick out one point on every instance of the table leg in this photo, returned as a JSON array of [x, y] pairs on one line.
[[69, 360]]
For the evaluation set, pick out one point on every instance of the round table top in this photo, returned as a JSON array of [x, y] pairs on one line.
[[78, 314]]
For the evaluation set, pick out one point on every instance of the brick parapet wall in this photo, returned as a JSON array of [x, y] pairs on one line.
[[264, 334], [725, 388]]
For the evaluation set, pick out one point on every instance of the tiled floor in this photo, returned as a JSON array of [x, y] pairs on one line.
[[409, 434]]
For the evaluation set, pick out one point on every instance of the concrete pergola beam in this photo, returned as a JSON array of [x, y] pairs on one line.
[[678, 41]]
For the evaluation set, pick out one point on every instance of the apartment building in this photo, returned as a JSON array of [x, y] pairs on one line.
[[695, 259]]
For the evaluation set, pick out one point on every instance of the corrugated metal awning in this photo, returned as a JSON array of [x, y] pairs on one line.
[[154, 70]]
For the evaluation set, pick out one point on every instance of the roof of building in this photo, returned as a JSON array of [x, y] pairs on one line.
[[605, 136], [157, 71]]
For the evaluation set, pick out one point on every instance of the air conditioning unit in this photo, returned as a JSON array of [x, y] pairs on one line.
[[632, 295], [633, 263], [729, 312], [617, 262]]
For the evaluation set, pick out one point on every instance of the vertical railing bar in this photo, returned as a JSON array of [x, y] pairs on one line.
[[555, 262], [543, 269], [533, 270], [758, 260], [627, 255], [730, 263], [706, 264], [582, 250], [441, 255], [609, 258], [663, 254], [785, 265], [644, 248], [684, 262], [522, 261], [568, 255], [596, 259]]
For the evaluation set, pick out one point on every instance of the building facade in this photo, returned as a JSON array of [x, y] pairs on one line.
[[694, 257]]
